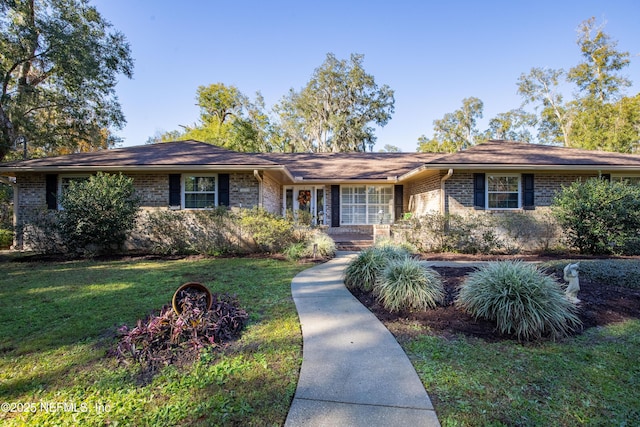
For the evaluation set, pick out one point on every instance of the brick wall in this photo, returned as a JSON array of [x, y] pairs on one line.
[[423, 195], [271, 195], [243, 190]]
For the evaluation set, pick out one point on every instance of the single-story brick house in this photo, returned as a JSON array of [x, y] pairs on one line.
[[342, 191]]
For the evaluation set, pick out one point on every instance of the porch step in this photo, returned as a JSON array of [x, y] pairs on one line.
[[356, 246], [352, 242]]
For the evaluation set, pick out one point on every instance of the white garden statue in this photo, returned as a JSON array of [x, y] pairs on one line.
[[571, 276]]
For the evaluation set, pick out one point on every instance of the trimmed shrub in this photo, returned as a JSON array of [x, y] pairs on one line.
[[363, 272], [407, 284], [272, 233], [98, 214], [167, 232], [521, 299], [433, 232], [600, 217], [6, 238]]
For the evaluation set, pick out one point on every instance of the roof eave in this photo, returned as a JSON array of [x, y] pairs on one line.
[[528, 166], [141, 168]]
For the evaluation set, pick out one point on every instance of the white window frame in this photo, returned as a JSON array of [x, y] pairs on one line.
[[374, 218], [184, 192], [502, 175], [69, 177]]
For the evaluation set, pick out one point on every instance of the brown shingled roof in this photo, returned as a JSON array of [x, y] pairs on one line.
[[178, 153], [501, 153], [351, 166], [187, 155]]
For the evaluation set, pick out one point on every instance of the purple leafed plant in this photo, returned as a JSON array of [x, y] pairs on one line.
[[166, 338]]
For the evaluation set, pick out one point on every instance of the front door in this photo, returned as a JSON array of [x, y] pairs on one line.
[[305, 204]]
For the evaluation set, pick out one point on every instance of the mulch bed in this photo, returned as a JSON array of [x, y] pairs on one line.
[[601, 304]]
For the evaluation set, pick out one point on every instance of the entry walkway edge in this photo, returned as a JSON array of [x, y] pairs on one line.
[[354, 372]]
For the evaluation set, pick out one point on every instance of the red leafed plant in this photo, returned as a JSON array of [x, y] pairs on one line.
[[165, 338]]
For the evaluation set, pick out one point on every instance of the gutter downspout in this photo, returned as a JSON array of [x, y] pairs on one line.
[[14, 185], [260, 185], [442, 192]]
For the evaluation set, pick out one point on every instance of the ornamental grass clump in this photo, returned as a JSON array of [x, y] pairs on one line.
[[406, 284], [521, 299], [363, 272], [321, 245]]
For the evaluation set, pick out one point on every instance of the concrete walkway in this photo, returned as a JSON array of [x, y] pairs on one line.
[[354, 372]]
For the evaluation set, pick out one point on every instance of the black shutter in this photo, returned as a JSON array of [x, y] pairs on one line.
[[528, 198], [478, 191], [223, 189], [51, 189], [398, 202], [175, 198], [606, 176], [335, 206]]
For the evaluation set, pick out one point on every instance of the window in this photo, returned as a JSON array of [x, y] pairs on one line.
[[503, 191], [200, 191], [372, 204]]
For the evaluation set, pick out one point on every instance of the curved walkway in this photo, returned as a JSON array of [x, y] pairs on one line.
[[354, 372]]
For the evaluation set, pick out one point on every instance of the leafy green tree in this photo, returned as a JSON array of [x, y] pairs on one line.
[[59, 64], [228, 119], [600, 217], [597, 76], [514, 125], [455, 130], [97, 214], [607, 126], [542, 86], [335, 110], [598, 117]]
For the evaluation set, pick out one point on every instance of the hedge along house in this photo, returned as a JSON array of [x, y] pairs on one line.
[[344, 192]]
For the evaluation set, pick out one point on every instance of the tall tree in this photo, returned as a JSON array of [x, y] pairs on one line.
[[598, 75], [59, 64], [514, 125], [455, 131], [542, 87], [228, 119], [597, 118], [336, 109], [608, 126]]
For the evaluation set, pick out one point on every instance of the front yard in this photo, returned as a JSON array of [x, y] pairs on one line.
[[59, 320]]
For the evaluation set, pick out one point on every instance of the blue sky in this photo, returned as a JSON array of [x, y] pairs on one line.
[[433, 54]]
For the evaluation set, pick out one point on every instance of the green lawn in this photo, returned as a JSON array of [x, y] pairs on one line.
[[590, 380], [58, 320]]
